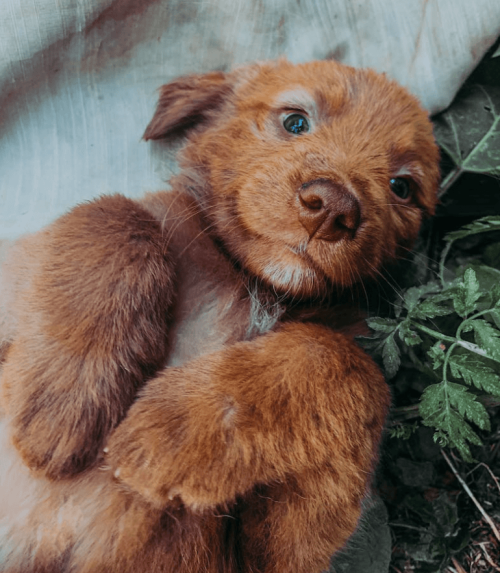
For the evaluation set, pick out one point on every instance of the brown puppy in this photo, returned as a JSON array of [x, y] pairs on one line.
[[168, 404]]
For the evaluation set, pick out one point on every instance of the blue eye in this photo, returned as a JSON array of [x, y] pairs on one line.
[[401, 187], [296, 123]]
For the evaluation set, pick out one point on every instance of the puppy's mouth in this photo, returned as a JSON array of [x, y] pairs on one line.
[[314, 266], [305, 260], [292, 270]]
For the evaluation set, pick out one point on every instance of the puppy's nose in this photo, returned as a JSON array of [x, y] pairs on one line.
[[328, 210]]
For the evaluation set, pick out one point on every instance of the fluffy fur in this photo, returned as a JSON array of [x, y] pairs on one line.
[[180, 392]]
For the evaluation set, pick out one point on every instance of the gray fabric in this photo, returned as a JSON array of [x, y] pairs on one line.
[[78, 78], [369, 549]]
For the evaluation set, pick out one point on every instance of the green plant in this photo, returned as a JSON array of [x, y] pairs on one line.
[[461, 354]]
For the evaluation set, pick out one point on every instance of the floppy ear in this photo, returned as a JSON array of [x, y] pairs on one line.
[[187, 101]]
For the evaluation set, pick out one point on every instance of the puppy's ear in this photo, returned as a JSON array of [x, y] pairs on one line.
[[186, 102]]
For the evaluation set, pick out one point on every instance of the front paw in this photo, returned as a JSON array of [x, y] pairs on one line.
[[152, 451], [57, 429], [140, 458], [177, 441]]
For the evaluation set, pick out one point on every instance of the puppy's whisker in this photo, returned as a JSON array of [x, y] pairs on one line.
[[361, 282], [410, 207], [424, 258], [181, 219], [202, 232], [394, 286], [170, 208]]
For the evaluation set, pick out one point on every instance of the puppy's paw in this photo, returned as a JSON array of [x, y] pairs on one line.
[[92, 323], [56, 428], [175, 443], [141, 454], [42, 451]]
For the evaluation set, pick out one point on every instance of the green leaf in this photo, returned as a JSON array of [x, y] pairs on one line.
[[487, 337], [398, 309], [474, 371], [403, 431], [382, 324], [414, 294], [445, 406], [469, 130], [407, 335], [391, 356], [432, 401], [495, 315], [495, 295], [471, 285], [467, 405], [466, 294], [429, 309], [482, 225], [488, 277], [437, 354], [496, 53]]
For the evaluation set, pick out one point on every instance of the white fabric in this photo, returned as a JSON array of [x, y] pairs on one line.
[[78, 78]]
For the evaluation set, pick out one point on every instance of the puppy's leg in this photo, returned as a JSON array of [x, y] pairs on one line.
[[298, 524], [286, 404], [91, 325]]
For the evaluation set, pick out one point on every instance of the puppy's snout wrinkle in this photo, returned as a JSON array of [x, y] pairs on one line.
[[328, 211]]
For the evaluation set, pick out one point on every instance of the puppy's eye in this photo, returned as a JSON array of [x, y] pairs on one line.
[[296, 123], [401, 187]]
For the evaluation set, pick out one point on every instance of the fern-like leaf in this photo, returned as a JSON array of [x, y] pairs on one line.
[[408, 335], [378, 324], [391, 356], [489, 223], [466, 294], [487, 337], [475, 372], [445, 406]]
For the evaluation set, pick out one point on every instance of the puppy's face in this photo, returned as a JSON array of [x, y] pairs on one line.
[[313, 175]]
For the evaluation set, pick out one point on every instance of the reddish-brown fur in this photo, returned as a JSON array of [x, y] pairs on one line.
[[168, 404]]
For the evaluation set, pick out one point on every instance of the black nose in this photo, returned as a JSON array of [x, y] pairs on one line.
[[328, 211]]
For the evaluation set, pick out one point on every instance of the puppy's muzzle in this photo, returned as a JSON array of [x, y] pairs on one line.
[[328, 211]]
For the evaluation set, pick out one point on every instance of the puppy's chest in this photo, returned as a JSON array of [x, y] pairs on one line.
[[213, 302], [211, 308]]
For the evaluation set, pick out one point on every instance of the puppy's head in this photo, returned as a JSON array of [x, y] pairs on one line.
[[312, 175]]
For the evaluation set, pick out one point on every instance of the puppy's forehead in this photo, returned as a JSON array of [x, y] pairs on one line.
[[328, 86], [297, 97], [288, 85]]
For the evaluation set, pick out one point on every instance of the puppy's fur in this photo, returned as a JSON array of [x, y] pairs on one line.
[[168, 404]]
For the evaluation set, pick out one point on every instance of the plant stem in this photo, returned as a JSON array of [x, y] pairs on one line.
[[471, 495], [448, 181], [472, 347], [444, 254], [433, 333], [447, 358], [423, 530], [455, 340], [473, 317]]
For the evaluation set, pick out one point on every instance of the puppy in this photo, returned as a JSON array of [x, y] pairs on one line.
[[180, 390]]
